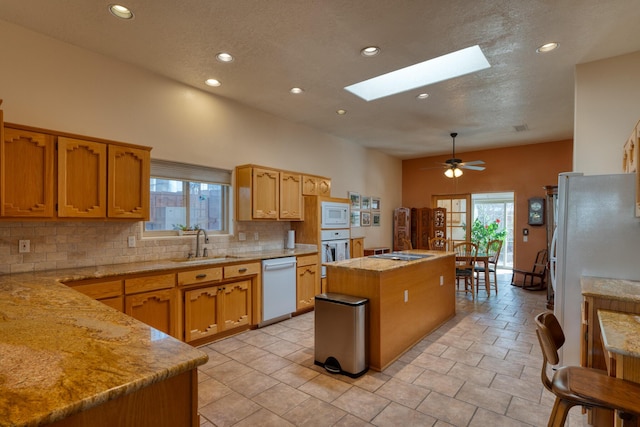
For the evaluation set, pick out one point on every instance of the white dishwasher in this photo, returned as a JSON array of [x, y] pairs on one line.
[[278, 289]]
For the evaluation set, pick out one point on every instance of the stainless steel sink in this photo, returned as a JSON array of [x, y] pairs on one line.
[[399, 256], [204, 260]]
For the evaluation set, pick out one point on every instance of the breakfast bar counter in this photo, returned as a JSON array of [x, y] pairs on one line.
[[409, 297]]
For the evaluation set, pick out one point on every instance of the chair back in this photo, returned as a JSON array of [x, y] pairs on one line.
[[468, 251], [493, 250], [438, 244], [551, 339], [540, 265]]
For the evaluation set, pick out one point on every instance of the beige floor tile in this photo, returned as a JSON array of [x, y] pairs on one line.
[[264, 418], [352, 421], [252, 383], [229, 371], [314, 412], [434, 363], [441, 383], [210, 391], [361, 403], [517, 387], [282, 347], [269, 363], [395, 415], [466, 357], [479, 376], [447, 409], [229, 410], [325, 388], [484, 397], [294, 375], [409, 395], [484, 418], [280, 398], [247, 354]]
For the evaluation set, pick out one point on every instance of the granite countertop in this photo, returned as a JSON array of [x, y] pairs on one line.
[[620, 332], [615, 289], [371, 263], [62, 352]]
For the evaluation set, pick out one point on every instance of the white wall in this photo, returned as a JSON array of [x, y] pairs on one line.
[[49, 84], [607, 109]]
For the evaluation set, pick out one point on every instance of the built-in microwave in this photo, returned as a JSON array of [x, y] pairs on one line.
[[334, 215]]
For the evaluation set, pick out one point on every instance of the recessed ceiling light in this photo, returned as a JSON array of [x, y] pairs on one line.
[[120, 11], [370, 51], [212, 82], [296, 90], [224, 57], [547, 47], [422, 96], [341, 112], [434, 70]]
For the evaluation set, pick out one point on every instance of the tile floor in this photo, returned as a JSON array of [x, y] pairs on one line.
[[481, 369]]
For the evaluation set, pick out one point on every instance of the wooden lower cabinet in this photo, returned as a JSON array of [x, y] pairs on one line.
[[357, 247], [214, 309], [155, 308], [307, 281], [109, 293]]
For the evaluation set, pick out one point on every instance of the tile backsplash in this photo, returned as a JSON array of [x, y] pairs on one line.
[[56, 245]]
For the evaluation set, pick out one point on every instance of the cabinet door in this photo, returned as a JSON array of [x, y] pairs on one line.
[[307, 286], [237, 304], [309, 185], [128, 186], [26, 174], [324, 187], [82, 178], [290, 196], [201, 312], [265, 193], [155, 308], [357, 247]]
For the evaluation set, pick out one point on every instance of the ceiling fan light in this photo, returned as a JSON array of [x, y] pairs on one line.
[[457, 172], [448, 173]]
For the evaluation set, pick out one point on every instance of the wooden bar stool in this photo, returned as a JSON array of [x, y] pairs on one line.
[[576, 385]]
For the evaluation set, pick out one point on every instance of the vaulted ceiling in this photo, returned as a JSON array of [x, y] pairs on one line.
[[524, 98]]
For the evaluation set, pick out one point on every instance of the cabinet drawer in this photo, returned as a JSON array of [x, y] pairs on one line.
[[307, 260], [202, 275], [149, 283], [241, 270], [101, 290]]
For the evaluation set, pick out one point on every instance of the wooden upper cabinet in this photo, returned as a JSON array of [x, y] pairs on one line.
[[26, 174], [82, 178], [128, 185], [265, 193], [316, 185], [291, 207]]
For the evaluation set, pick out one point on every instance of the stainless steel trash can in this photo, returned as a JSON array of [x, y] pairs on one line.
[[341, 334]]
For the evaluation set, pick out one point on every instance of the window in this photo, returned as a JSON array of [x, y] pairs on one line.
[[490, 207], [458, 215], [187, 197]]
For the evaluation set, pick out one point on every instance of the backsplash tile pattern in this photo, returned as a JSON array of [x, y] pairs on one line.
[[56, 245]]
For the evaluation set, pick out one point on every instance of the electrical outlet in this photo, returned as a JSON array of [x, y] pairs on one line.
[[406, 295], [242, 236], [441, 280], [256, 236], [24, 246], [131, 241]]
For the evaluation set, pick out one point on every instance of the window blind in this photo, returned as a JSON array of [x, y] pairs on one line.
[[186, 172]]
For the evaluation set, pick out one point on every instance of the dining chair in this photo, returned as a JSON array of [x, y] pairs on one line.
[[577, 385], [465, 260], [493, 252], [438, 244]]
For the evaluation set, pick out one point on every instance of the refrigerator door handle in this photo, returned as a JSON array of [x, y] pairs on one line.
[[553, 259]]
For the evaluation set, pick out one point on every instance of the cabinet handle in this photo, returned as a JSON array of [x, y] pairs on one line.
[[242, 270], [201, 276]]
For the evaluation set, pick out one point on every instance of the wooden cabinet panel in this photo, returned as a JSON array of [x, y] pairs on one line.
[[291, 207], [316, 186], [357, 247], [201, 312], [265, 193], [307, 281], [112, 288], [202, 275], [155, 308], [82, 178], [128, 187], [241, 270], [27, 174], [149, 283], [324, 187], [237, 304]]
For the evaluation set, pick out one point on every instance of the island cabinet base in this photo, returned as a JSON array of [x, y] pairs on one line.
[[169, 403], [405, 303]]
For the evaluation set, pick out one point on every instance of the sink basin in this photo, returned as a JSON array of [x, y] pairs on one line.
[[398, 256], [205, 259]]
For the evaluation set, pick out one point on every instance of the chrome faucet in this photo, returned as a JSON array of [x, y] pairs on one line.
[[206, 240]]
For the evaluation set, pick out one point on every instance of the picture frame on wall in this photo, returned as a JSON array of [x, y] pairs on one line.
[[365, 203], [375, 219], [375, 203], [355, 200], [365, 219], [355, 218]]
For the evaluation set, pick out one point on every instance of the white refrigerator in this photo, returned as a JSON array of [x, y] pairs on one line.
[[597, 234]]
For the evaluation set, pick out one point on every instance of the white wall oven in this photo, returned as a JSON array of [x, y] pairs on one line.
[[334, 246]]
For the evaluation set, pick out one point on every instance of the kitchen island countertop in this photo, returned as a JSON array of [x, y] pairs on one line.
[[62, 352], [372, 263]]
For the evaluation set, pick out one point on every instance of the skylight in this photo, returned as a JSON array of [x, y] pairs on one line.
[[434, 70]]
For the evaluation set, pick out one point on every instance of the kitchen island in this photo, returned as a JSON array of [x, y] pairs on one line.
[[408, 299]]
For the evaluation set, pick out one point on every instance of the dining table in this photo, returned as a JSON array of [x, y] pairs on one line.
[[481, 257]]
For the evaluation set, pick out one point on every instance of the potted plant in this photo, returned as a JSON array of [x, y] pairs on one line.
[[185, 230]]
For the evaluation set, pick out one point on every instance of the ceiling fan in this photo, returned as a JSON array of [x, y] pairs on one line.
[[454, 165]]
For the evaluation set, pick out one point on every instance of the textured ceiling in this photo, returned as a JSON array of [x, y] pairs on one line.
[[315, 44]]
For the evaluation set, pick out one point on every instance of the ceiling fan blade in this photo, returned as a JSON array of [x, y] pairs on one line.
[[471, 167], [474, 162]]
